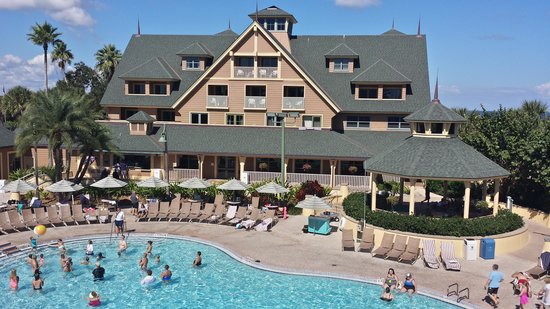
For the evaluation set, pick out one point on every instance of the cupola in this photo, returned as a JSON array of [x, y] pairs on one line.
[[276, 21], [140, 123]]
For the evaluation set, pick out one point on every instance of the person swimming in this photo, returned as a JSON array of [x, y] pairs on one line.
[[90, 248], [60, 246], [166, 275], [143, 262], [37, 283], [68, 265], [100, 256], [98, 272], [41, 260], [149, 279], [122, 245], [14, 280], [149, 247], [86, 261], [386, 294], [198, 259], [63, 260], [157, 259], [93, 299]]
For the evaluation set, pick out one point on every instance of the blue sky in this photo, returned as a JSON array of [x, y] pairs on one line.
[[487, 52]]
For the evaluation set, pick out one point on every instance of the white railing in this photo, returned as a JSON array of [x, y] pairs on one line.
[[323, 179], [244, 72], [267, 72], [293, 103], [352, 180], [254, 102], [390, 178], [261, 176], [216, 101], [178, 174]]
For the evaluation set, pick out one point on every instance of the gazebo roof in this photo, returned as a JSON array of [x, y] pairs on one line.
[[435, 158], [140, 117], [435, 112]]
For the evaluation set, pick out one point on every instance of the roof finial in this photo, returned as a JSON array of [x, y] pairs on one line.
[[256, 10], [436, 91], [229, 24], [393, 23], [139, 28], [418, 31]]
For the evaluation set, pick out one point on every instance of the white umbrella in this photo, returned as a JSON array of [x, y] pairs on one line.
[[153, 182], [233, 185], [19, 186], [314, 203], [109, 183], [272, 188], [63, 186], [195, 183]]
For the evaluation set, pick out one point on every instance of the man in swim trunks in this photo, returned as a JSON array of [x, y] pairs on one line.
[[492, 285], [122, 245], [149, 279], [166, 274], [198, 259], [98, 272], [119, 220], [143, 262]]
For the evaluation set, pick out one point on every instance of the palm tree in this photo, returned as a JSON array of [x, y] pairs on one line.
[[62, 56], [14, 103], [44, 35], [107, 59], [535, 107], [97, 139]]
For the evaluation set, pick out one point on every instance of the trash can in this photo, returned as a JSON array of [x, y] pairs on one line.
[[470, 251], [487, 248], [509, 202]]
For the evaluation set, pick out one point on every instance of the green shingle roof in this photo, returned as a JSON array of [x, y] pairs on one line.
[[7, 137], [273, 11], [393, 31], [195, 49], [381, 72], [435, 112], [153, 69], [342, 50], [141, 117], [227, 32], [435, 158], [377, 142], [128, 144]]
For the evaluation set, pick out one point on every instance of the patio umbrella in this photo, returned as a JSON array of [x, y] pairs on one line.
[[18, 186], [233, 185], [63, 186], [109, 183], [153, 182], [272, 188], [195, 183], [314, 203]]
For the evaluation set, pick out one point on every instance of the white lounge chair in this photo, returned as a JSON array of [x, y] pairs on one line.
[[448, 256], [264, 225]]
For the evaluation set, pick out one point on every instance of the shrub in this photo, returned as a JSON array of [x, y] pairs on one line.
[[504, 222], [294, 211], [310, 188], [353, 204]]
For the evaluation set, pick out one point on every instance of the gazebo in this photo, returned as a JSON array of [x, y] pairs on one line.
[[433, 152]]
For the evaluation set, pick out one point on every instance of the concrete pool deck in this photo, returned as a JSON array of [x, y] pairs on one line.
[[286, 247]]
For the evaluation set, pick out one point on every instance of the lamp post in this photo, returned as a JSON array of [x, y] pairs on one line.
[[164, 140], [365, 194], [35, 161], [293, 115]]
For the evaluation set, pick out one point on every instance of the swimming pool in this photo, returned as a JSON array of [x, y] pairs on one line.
[[222, 282]]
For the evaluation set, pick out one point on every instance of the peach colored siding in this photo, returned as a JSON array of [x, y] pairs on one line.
[[247, 46], [331, 65], [113, 112], [42, 156], [282, 37], [264, 46], [350, 66]]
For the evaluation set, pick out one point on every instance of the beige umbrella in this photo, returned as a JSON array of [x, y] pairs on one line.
[[233, 185], [153, 182], [18, 186], [314, 203], [272, 188], [63, 186], [109, 183], [195, 183]]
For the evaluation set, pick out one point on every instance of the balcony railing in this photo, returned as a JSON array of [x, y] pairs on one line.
[[253, 102], [323, 179], [267, 72], [244, 72], [262, 176], [353, 181], [293, 103], [178, 174], [216, 101]]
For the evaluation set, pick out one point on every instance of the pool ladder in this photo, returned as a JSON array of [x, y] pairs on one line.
[[454, 290]]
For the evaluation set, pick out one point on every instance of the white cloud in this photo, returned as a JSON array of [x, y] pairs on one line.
[[70, 12], [356, 3], [544, 89], [15, 71]]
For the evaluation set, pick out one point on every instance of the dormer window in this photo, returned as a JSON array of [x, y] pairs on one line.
[[136, 87], [367, 92], [392, 93], [341, 65], [437, 128], [159, 88], [273, 24], [193, 63]]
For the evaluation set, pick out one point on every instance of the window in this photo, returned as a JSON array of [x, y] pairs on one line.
[[368, 92], [193, 63], [135, 161], [293, 91], [311, 121], [255, 91], [199, 118], [397, 123], [270, 24], [452, 129], [270, 62], [392, 93], [274, 120], [341, 65], [351, 168], [437, 128], [268, 164], [307, 166], [136, 88], [358, 122], [159, 88], [127, 113], [166, 115], [244, 61], [281, 24], [234, 119], [220, 90], [189, 162], [420, 127]]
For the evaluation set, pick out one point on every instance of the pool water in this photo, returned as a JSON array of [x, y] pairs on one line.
[[221, 282]]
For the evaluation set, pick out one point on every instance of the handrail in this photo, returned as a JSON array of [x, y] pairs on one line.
[[467, 296], [451, 293]]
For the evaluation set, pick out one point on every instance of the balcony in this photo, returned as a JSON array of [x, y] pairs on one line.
[[254, 102], [267, 72], [180, 174], [216, 102], [243, 72], [293, 103]]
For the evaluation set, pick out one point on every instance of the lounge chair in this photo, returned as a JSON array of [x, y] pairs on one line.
[[152, 212], [239, 216], [255, 203], [218, 200], [15, 220], [231, 212], [41, 216], [367, 241], [251, 219], [103, 215], [164, 210], [28, 218], [78, 215], [218, 214], [195, 212], [448, 256], [385, 246], [53, 217], [428, 253], [347, 240], [411, 253], [65, 214], [264, 225], [174, 211], [184, 211], [207, 212], [541, 269], [5, 225], [398, 248]]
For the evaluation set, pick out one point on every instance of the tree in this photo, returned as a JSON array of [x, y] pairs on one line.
[[98, 138], [535, 107], [13, 104], [44, 35], [87, 81], [62, 56], [107, 59]]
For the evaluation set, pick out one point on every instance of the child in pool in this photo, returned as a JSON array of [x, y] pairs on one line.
[[41, 260], [93, 299]]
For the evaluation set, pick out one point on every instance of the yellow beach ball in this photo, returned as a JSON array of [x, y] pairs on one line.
[[40, 230]]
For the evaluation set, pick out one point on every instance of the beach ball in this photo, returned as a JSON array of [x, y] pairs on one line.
[[40, 230]]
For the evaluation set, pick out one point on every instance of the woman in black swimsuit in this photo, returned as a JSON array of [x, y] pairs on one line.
[[37, 283]]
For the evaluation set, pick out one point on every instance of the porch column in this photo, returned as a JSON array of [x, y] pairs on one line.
[[200, 158], [467, 186], [401, 185], [242, 161], [484, 191], [286, 170], [496, 197], [373, 189], [411, 196], [332, 173]]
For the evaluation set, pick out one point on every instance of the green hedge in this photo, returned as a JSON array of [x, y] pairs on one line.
[[504, 222]]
